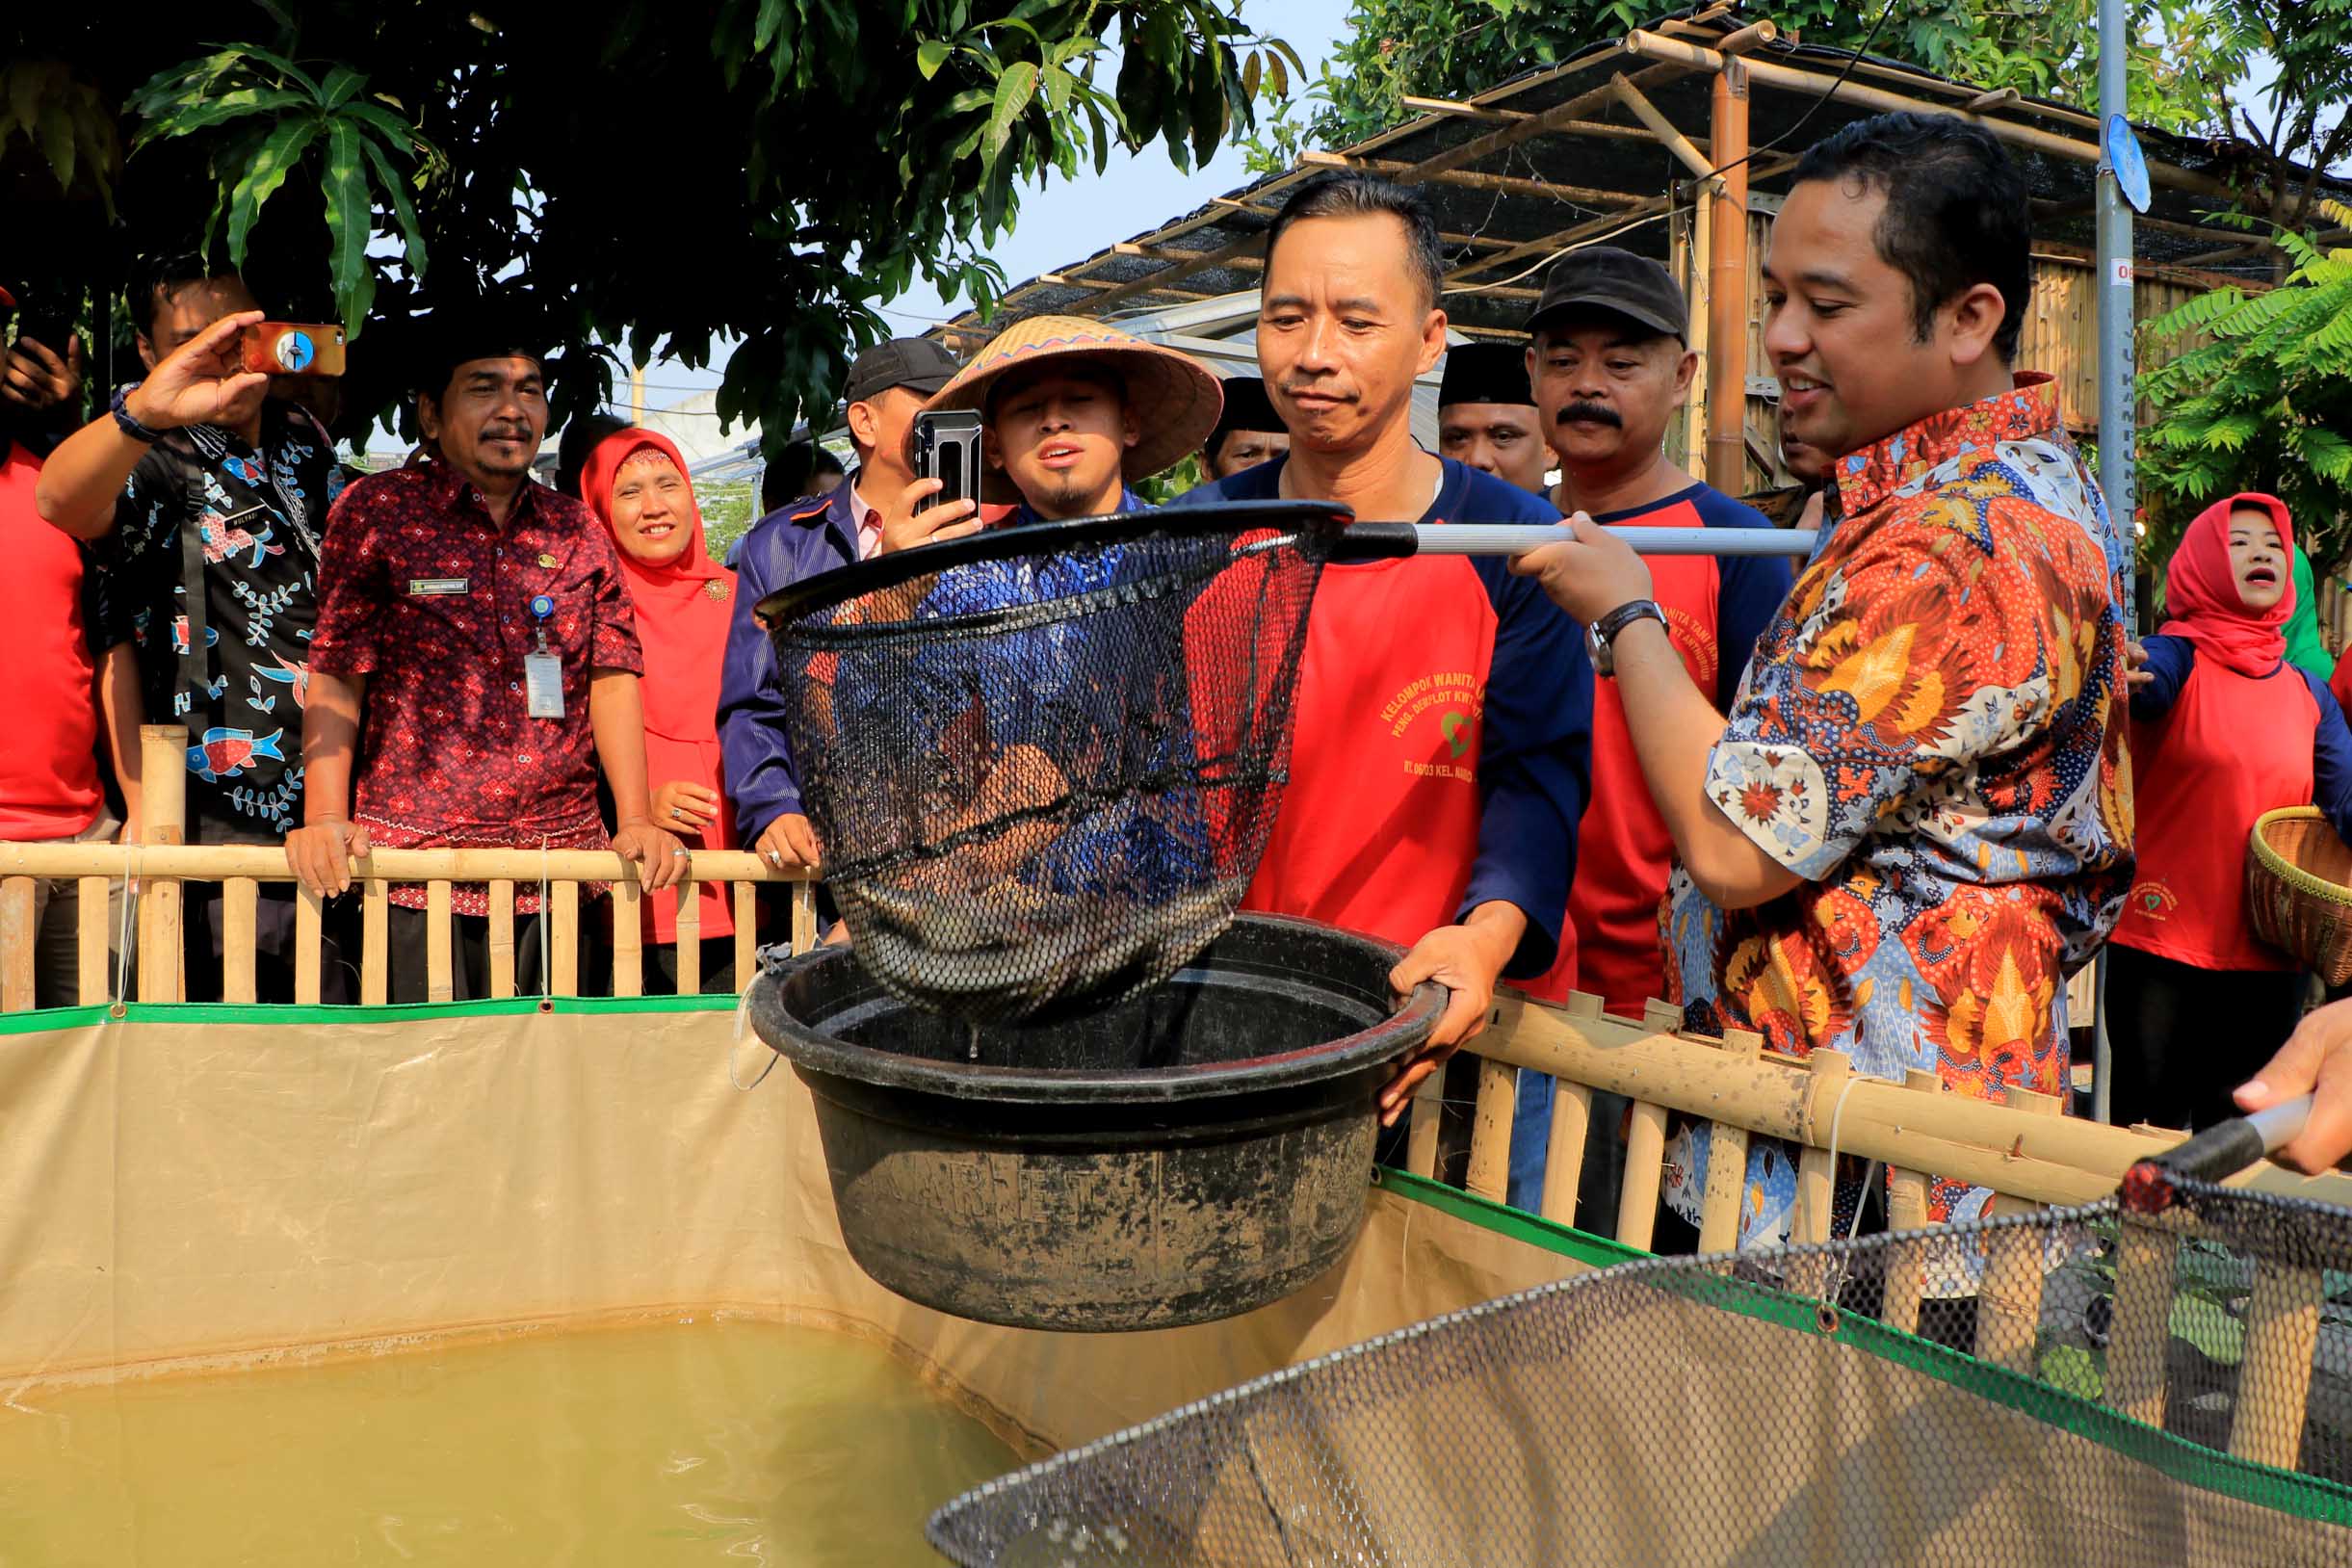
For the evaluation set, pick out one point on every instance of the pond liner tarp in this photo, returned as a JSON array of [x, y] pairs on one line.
[[215, 1185]]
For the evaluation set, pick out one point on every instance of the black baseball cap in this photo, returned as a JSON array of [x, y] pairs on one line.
[[1485, 373], [1247, 407], [1604, 277], [915, 363]]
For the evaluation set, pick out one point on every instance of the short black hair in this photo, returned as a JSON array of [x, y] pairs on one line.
[[1353, 193], [583, 434], [156, 277], [791, 474], [1956, 211]]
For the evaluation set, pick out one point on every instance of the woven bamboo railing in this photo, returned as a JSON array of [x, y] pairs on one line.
[[161, 864]]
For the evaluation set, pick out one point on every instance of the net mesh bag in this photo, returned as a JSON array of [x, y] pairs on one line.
[[1042, 762], [2081, 1386]]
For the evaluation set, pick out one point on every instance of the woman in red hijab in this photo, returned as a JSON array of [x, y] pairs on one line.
[[635, 483], [2223, 729]]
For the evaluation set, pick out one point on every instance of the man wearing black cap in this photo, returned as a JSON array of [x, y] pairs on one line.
[[888, 384], [1248, 431], [1487, 418], [203, 501], [474, 666], [1611, 366]]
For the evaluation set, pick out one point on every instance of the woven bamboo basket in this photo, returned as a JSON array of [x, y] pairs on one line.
[[2299, 889]]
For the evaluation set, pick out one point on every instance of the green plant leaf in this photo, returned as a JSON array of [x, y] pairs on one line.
[[228, 106], [929, 55], [280, 152], [280, 64], [2071, 1368], [340, 86], [345, 184], [1013, 90], [395, 191]]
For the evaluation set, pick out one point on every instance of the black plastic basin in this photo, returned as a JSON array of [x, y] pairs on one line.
[[1190, 1154]]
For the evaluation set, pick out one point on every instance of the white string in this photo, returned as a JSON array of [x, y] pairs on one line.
[[123, 938], [743, 1016], [1834, 1279], [1598, 239]]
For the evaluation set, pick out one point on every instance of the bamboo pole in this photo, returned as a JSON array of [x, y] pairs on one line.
[[2055, 1160], [2009, 1298], [94, 938], [1907, 1210], [2146, 1252], [440, 985], [747, 929], [18, 940], [2273, 1382], [1421, 1134], [1645, 1160], [690, 936], [563, 939], [1770, 73], [240, 930], [375, 943], [163, 753], [1571, 1129], [1698, 248], [1660, 126], [1473, 180], [501, 939], [308, 929], [1817, 1173], [628, 940], [1727, 282], [1727, 1162], [1490, 1130]]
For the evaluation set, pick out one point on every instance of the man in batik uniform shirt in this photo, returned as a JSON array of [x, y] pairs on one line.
[[1916, 820]]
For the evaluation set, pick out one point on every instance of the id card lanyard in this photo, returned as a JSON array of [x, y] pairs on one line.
[[543, 669]]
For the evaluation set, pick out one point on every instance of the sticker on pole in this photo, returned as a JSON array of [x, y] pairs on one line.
[[2130, 164]]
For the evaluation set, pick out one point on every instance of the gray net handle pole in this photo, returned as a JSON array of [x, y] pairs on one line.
[[1378, 541]]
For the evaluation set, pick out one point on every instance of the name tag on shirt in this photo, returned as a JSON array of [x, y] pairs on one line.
[[422, 587], [544, 685]]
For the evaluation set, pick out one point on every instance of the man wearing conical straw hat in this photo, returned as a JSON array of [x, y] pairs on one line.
[[1075, 412]]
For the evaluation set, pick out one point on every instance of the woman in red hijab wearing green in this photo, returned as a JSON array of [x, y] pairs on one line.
[[636, 483], [2224, 727]]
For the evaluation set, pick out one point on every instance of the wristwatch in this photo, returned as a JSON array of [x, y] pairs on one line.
[[1600, 637], [120, 405]]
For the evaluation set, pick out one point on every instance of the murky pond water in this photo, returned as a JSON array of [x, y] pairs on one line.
[[705, 1442]]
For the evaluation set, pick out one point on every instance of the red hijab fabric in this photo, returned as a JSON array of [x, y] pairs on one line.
[[2201, 601], [683, 607]]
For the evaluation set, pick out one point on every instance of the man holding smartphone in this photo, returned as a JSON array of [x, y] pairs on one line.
[[206, 501], [887, 384]]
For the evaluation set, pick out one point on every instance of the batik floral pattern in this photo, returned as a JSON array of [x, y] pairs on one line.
[[1931, 735]]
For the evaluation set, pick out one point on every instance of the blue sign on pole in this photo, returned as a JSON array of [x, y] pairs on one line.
[[2130, 164]]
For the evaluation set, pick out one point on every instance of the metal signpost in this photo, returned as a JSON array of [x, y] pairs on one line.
[[2123, 176]]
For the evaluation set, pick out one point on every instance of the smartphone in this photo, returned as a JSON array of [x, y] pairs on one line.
[[50, 326], [291, 348], [947, 449]]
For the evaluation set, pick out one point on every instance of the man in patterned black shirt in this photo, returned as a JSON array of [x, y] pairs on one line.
[[204, 500]]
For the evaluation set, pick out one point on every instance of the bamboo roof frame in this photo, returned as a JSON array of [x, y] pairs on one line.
[[1496, 158]]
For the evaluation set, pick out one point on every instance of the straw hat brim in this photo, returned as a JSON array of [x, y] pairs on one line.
[[1175, 398]]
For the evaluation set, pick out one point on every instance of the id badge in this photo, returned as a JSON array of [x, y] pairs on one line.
[[544, 685]]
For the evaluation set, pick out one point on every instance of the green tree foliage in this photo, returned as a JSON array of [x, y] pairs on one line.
[[2263, 403], [642, 173], [2184, 50]]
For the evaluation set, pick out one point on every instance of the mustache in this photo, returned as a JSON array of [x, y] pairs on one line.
[[1596, 413]]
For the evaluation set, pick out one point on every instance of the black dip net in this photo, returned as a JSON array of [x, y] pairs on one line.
[[2076, 1386], [1042, 762]]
